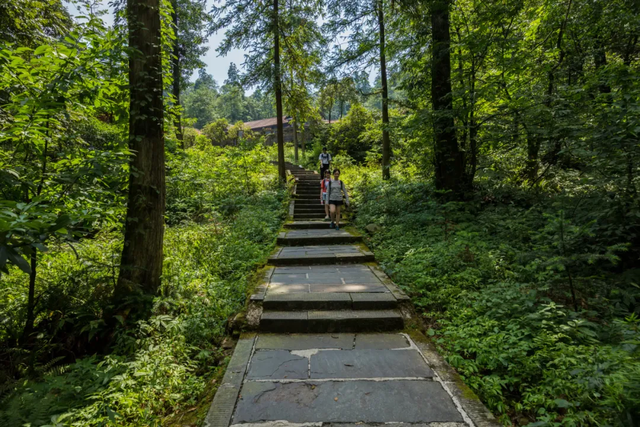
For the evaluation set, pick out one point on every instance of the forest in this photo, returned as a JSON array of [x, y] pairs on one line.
[[491, 149]]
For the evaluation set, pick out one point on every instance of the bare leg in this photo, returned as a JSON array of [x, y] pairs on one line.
[[326, 209], [333, 212], [337, 216]]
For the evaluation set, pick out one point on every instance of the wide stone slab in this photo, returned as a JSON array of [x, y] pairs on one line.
[[307, 301], [331, 321], [320, 254], [310, 251], [330, 278], [346, 402], [277, 364], [369, 364], [328, 232], [305, 341], [380, 341], [352, 287], [367, 301]]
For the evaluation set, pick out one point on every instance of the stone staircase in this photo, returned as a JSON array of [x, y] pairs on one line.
[[321, 279], [314, 363]]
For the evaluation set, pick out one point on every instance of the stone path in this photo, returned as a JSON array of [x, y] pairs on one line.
[[331, 348]]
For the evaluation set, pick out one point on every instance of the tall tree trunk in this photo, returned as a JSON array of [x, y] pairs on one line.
[[141, 263], [553, 156], [304, 140], [533, 149], [295, 139], [386, 144], [448, 157], [28, 326], [177, 118], [600, 61], [278, 89]]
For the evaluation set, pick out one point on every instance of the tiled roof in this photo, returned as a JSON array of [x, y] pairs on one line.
[[265, 123]]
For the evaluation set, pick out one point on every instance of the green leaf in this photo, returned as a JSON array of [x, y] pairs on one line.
[[561, 403], [19, 261]]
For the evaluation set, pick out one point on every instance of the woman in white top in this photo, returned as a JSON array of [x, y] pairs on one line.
[[336, 192]]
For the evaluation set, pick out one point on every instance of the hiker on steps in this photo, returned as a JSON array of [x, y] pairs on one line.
[[336, 192], [325, 162], [324, 186]]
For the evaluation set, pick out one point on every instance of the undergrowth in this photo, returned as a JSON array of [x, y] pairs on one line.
[[224, 207], [533, 298]]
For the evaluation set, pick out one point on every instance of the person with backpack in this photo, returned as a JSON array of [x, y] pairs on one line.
[[325, 161], [324, 187], [337, 191]]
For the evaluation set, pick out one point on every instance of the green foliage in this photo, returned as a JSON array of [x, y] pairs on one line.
[[55, 183], [348, 135], [494, 282], [31, 23], [206, 184], [160, 366], [217, 131]]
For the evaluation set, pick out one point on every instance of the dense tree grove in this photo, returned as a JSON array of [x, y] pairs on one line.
[[494, 147]]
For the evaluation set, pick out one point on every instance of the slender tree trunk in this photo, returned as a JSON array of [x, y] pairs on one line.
[[557, 146], [448, 157], [295, 139], [28, 326], [177, 118], [533, 148], [600, 61], [386, 143], [31, 299], [141, 263], [304, 140], [278, 89]]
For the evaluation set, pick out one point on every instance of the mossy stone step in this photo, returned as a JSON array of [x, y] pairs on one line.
[[320, 254], [329, 301], [310, 225], [319, 236], [318, 321]]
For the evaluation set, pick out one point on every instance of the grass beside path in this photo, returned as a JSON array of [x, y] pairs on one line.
[[489, 278], [224, 212]]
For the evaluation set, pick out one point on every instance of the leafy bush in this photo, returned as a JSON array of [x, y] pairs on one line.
[[161, 366], [495, 283]]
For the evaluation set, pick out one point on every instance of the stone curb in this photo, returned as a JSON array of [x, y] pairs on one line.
[[224, 402], [478, 414], [393, 288], [261, 290]]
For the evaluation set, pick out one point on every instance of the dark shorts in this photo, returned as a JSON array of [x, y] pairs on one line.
[[322, 169], [335, 202]]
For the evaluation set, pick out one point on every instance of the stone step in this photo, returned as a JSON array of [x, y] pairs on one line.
[[309, 209], [309, 202], [320, 236], [320, 254], [318, 321], [329, 301], [308, 215], [310, 225]]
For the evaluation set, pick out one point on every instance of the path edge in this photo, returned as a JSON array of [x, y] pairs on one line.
[[463, 396], [224, 402]]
